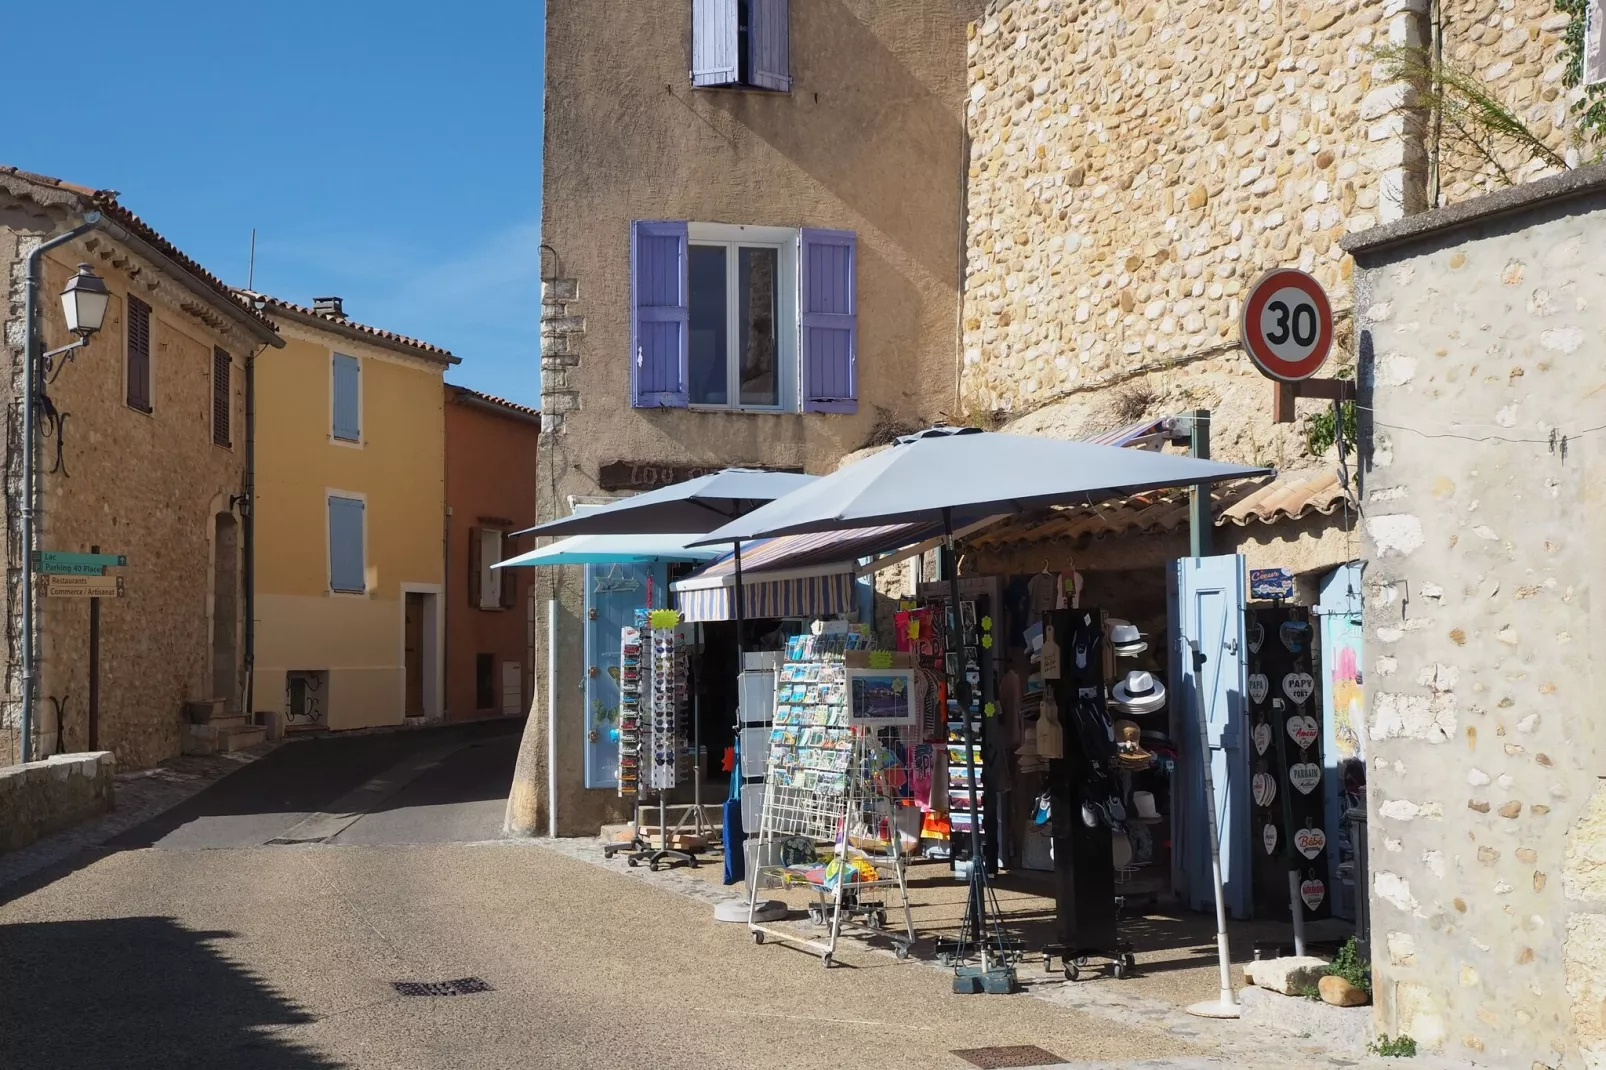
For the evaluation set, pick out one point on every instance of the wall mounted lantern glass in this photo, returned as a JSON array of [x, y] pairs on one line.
[[84, 302]]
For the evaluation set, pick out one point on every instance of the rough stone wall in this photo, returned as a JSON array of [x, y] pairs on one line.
[[145, 485], [1135, 166], [1483, 359], [43, 797]]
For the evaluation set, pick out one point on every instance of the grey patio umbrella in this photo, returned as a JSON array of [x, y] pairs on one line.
[[956, 475], [697, 505], [964, 474]]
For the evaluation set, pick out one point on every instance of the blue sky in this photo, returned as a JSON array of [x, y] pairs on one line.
[[387, 152]]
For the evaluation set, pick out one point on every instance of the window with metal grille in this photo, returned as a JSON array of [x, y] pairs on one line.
[[222, 399], [138, 364]]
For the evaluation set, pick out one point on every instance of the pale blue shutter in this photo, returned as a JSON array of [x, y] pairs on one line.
[[1206, 601], [767, 47], [348, 394], [713, 42], [661, 315], [345, 545], [829, 320]]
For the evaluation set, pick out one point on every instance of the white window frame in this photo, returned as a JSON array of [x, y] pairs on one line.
[[362, 424], [491, 578], [786, 241], [329, 548]]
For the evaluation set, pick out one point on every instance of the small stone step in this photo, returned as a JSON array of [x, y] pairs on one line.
[[241, 737]]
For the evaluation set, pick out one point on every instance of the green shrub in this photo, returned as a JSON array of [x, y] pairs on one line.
[[1400, 1047], [1349, 965]]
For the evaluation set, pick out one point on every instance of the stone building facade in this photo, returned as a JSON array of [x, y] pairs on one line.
[[866, 139], [1135, 166], [154, 474], [1482, 362]]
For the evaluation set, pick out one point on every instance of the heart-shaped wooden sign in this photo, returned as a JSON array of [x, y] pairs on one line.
[[1310, 841], [1264, 787], [1262, 737], [1303, 729], [1268, 837], [1313, 892], [1305, 776], [1258, 686], [1299, 687], [1257, 637], [1293, 634]]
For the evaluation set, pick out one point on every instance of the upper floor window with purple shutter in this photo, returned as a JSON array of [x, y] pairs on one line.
[[759, 319], [740, 44]]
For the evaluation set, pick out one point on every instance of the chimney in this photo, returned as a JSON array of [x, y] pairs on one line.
[[329, 306]]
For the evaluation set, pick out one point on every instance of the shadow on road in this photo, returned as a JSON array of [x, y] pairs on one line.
[[138, 992]]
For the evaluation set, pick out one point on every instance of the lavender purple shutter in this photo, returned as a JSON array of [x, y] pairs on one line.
[[714, 53], [660, 317], [767, 47], [830, 321]]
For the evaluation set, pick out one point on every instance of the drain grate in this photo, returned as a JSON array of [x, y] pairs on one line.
[[1015, 1055], [463, 986]]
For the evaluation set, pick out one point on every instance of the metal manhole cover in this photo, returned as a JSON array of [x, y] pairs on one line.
[[1014, 1055], [464, 986]]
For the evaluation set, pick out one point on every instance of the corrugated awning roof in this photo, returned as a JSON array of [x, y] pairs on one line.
[[1286, 496]]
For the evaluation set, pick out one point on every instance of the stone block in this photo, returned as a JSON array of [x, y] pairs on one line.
[[1288, 975], [41, 798], [1338, 992]]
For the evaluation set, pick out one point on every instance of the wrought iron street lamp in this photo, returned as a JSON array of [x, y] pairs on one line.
[[84, 302]]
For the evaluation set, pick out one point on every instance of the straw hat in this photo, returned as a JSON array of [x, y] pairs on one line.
[[1139, 693], [1125, 638]]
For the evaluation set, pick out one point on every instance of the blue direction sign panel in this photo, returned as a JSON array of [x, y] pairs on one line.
[[58, 563], [1271, 583]]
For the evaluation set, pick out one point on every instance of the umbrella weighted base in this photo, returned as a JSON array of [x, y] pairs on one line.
[[995, 981], [736, 910], [1216, 1008]]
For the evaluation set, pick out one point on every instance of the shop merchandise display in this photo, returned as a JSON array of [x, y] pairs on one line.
[[630, 671], [1289, 811], [836, 788]]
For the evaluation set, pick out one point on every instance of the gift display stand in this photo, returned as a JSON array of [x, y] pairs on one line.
[[834, 785], [652, 741], [1083, 792]]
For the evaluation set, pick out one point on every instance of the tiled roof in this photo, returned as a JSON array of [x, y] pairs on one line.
[[492, 399], [1285, 496], [414, 346], [105, 200]]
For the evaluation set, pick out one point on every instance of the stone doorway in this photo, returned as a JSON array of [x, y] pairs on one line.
[[226, 609]]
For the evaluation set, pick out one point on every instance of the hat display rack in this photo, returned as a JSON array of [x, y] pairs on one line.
[[1145, 756], [1086, 810]]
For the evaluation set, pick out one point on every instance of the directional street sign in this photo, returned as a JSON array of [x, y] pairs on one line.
[[1287, 325], [58, 563], [83, 586]]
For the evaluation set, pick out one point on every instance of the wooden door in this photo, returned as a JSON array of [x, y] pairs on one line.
[[414, 654]]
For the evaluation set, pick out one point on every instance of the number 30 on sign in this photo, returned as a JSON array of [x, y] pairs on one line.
[[1287, 325]]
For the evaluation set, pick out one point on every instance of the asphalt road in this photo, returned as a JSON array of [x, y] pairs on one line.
[[264, 923]]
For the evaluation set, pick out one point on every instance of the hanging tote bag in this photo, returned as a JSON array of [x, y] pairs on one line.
[[731, 828]]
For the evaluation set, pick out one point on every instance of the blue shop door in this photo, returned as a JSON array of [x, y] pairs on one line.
[[1343, 723], [1207, 604], [613, 593]]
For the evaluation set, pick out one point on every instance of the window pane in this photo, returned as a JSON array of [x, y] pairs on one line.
[[757, 296], [709, 342]]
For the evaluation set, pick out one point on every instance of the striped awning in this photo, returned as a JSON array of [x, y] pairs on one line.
[[803, 596]]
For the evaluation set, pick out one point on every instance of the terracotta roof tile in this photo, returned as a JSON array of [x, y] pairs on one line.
[[416, 346], [494, 400], [1285, 496], [105, 200]]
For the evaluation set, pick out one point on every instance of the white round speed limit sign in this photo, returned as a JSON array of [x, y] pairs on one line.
[[1287, 325]]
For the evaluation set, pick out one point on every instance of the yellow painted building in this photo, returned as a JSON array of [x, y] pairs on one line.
[[350, 522]]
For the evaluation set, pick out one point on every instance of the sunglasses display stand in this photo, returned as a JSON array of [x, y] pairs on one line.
[[652, 743], [831, 789]]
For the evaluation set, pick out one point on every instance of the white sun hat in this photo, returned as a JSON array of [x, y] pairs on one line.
[[1139, 693]]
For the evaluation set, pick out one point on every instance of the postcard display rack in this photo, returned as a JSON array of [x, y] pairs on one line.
[[652, 732], [834, 780]]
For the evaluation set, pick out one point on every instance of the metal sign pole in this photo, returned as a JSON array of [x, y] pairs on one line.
[[1225, 1006]]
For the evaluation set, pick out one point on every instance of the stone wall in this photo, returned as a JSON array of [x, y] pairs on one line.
[[148, 485], [1484, 364], [1134, 167], [40, 798]]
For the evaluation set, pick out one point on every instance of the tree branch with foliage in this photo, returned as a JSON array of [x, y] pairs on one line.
[[1474, 119]]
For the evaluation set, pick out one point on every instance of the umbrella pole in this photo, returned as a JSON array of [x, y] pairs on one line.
[[978, 865]]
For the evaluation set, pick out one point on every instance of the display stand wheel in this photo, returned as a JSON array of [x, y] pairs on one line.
[[1119, 969], [653, 865], [900, 951], [825, 960], [1073, 969], [633, 860], [758, 938], [816, 914]]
